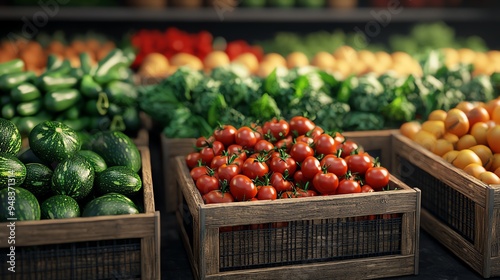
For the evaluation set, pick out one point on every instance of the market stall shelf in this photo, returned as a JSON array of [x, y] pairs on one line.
[[460, 211], [103, 247], [315, 237]]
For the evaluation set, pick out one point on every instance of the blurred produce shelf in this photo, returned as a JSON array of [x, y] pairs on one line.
[[238, 14]]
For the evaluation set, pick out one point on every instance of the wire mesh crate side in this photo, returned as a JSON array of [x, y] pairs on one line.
[[302, 242], [111, 259], [441, 200]]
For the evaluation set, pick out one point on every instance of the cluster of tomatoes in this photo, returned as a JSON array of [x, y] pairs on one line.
[[281, 159]]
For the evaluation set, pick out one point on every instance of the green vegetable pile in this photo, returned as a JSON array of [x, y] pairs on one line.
[[86, 98], [191, 104]]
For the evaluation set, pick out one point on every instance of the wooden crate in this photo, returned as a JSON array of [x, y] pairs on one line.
[[377, 143], [458, 210], [104, 247], [309, 238]]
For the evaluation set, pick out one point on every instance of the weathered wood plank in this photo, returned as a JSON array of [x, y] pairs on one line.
[[368, 268]]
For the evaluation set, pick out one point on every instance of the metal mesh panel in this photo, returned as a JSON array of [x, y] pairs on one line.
[[110, 259], [445, 203], [301, 242]]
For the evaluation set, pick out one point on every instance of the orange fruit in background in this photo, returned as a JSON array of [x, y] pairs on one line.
[[437, 115], [490, 105], [478, 114], [474, 169], [249, 60], [465, 106], [489, 178], [434, 127], [451, 156], [493, 138], [478, 130], [465, 142], [497, 171], [296, 59], [484, 153], [466, 157], [276, 59], [441, 147], [450, 137], [495, 114], [216, 59], [456, 122], [495, 162], [323, 60], [409, 129], [425, 139]]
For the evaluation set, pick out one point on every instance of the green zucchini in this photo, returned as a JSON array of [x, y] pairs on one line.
[[94, 159], [38, 179], [12, 66], [53, 141], [89, 88], [25, 92], [10, 81], [118, 179], [8, 111], [10, 137], [110, 204], [26, 206], [60, 100], [74, 177], [121, 93], [117, 149], [29, 108], [12, 171], [50, 82], [60, 207]]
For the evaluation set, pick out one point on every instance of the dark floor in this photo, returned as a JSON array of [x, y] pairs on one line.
[[435, 262]]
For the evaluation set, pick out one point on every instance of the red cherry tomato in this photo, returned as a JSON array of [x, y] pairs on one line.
[[280, 183], [192, 159], [207, 183], [348, 147], [301, 125], [254, 168], [217, 196], [366, 188], [263, 146], [228, 171], [277, 130], [377, 177], [325, 183], [246, 137], [359, 163], [225, 134], [348, 185], [267, 193], [300, 151], [282, 164], [198, 171], [242, 188], [310, 167], [325, 144], [335, 165]]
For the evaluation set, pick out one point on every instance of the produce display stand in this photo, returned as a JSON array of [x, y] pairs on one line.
[[309, 238], [104, 247], [460, 211]]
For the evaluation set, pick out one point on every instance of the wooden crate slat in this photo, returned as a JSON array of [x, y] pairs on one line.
[[368, 268], [445, 172]]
